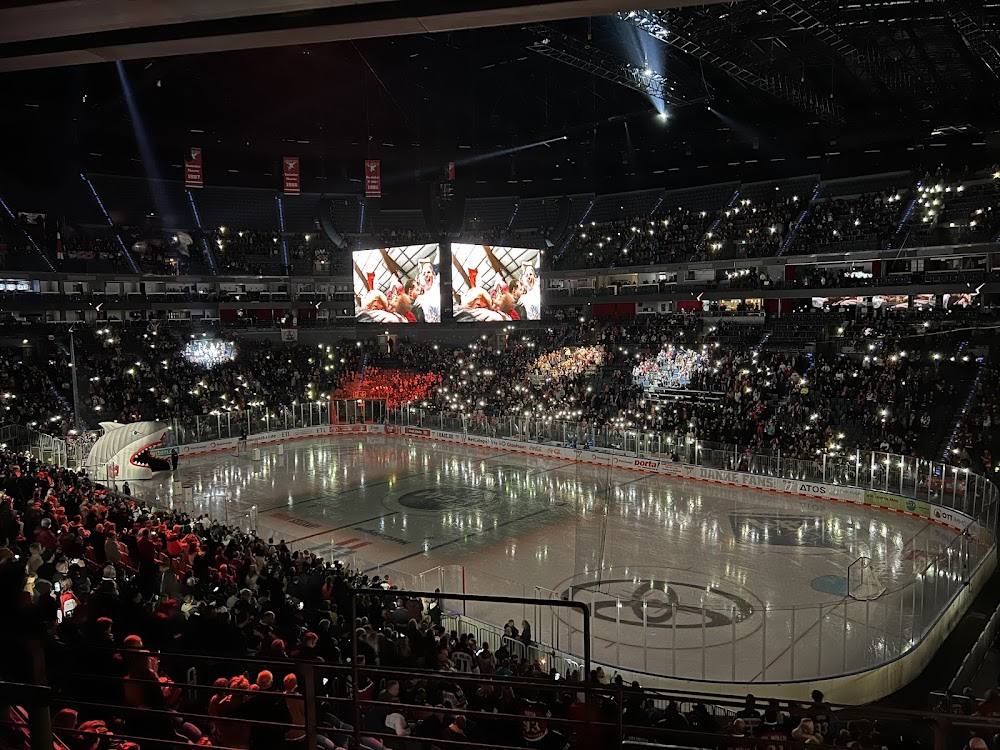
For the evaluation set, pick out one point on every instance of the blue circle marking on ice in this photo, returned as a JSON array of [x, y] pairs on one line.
[[831, 585]]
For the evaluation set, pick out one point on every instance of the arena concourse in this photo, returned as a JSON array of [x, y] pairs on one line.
[[612, 382]]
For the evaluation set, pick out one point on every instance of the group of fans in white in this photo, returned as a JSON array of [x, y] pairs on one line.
[[672, 367]]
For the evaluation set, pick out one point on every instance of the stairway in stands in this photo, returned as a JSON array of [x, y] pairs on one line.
[[947, 417]]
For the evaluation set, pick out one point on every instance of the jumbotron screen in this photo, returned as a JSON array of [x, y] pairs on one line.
[[398, 285], [493, 283]]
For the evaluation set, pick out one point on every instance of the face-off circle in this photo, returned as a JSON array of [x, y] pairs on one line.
[[444, 499], [655, 606]]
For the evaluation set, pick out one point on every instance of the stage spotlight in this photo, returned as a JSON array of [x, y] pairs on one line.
[[647, 71], [663, 117]]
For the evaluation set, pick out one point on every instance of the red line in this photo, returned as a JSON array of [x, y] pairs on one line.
[[347, 541]]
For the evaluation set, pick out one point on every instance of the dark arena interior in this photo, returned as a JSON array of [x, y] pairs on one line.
[[569, 375]]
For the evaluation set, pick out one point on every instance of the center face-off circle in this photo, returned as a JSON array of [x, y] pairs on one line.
[[443, 499]]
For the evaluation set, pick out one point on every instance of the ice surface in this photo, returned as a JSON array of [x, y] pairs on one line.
[[730, 582]]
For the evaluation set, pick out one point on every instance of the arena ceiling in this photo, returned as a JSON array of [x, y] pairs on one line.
[[52, 33], [751, 90]]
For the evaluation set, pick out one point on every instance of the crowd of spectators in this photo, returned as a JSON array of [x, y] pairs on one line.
[[842, 403], [119, 586], [958, 211], [754, 229], [134, 376], [671, 236], [247, 252], [567, 362], [864, 222], [577, 372], [80, 249], [397, 236], [393, 386], [36, 392], [744, 230], [489, 383], [974, 441]]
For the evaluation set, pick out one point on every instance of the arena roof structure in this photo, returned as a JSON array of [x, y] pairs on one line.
[[621, 99], [50, 33]]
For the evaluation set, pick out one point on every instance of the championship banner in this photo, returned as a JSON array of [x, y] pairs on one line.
[[290, 170], [289, 335], [373, 178], [192, 169]]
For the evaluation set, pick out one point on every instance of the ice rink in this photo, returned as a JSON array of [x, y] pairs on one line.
[[685, 578]]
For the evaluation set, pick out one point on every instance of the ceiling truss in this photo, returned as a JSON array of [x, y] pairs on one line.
[[871, 65], [678, 32], [976, 40], [575, 53]]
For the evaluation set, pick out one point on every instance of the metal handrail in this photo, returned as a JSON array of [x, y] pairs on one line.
[[580, 607]]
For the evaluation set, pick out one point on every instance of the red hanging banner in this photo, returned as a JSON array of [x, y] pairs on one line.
[[290, 171], [373, 178], [193, 177]]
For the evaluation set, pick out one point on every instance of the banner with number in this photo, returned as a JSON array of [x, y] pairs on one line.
[[193, 177], [290, 170], [373, 178]]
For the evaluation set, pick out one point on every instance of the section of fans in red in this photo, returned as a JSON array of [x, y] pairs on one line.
[[395, 387]]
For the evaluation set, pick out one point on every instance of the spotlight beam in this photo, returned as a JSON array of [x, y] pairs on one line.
[[161, 200]]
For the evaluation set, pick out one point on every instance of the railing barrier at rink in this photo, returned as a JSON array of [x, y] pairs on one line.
[[330, 702], [768, 643]]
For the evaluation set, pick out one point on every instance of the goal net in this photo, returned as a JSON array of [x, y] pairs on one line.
[[862, 580]]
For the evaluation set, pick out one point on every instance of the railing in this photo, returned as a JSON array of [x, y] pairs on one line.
[[220, 425], [748, 641], [876, 471], [335, 704], [49, 448], [713, 636]]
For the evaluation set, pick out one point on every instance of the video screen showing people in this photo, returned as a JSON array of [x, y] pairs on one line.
[[968, 298], [493, 283], [398, 285]]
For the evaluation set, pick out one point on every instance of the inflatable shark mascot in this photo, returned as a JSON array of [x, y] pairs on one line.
[[123, 451]]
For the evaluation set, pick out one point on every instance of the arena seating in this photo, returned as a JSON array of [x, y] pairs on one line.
[[795, 216], [131, 373], [763, 219]]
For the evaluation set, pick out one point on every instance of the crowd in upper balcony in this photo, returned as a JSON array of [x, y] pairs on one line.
[[239, 251], [940, 208], [673, 235], [754, 228], [866, 222]]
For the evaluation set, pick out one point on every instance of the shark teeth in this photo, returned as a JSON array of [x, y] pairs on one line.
[[143, 457]]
